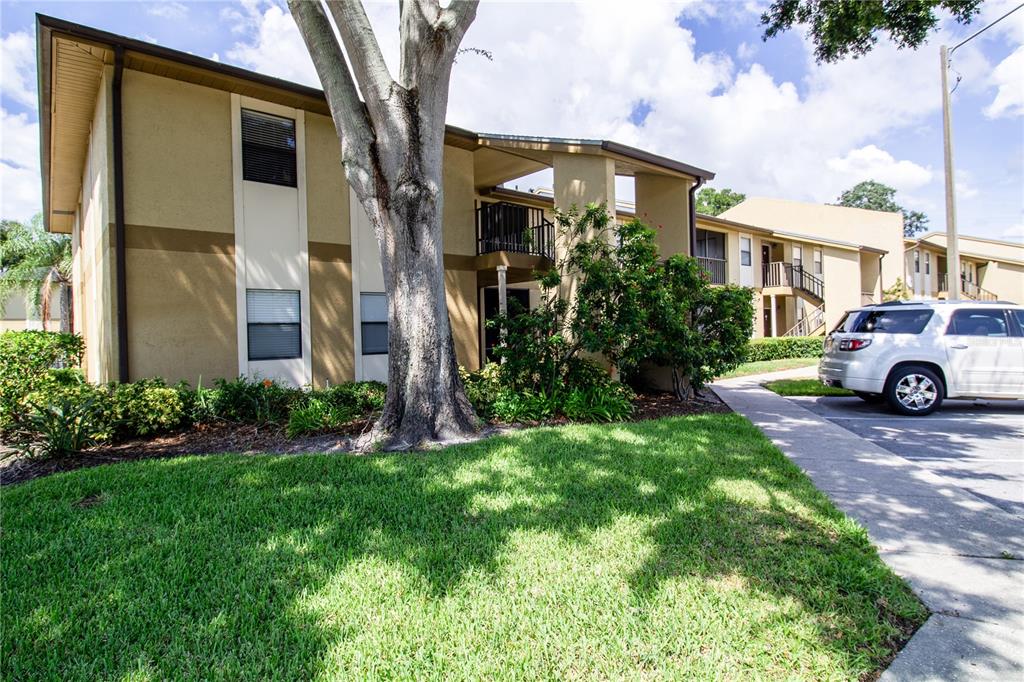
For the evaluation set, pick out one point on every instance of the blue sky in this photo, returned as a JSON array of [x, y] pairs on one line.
[[690, 80]]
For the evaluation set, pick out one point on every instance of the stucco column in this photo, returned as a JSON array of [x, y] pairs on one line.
[[774, 317], [663, 203], [502, 298], [581, 179]]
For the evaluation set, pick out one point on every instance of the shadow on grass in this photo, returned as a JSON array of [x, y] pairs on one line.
[[283, 567]]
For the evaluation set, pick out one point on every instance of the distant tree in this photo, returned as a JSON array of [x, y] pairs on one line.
[[842, 27], [712, 201], [875, 196], [34, 262]]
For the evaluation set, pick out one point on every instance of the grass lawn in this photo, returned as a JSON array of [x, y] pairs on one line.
[[762, 366], [805, 387], [681, 548]]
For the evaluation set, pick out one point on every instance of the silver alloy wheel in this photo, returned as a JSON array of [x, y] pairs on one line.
[[916, 392]]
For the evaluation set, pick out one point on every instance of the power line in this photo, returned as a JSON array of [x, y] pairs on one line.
[[980, 31]]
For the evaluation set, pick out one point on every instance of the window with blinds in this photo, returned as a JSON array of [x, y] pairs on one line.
[[373, 315], [273, 318], [268, 149]]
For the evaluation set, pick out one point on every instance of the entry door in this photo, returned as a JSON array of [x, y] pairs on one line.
[[984, 359]]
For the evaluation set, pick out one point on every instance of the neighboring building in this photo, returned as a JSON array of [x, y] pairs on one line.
[[990, 270], [243, 250], [813, 262], [18, 314]]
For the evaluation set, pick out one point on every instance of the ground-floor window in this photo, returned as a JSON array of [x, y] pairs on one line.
[[273, 317], [373, 316]]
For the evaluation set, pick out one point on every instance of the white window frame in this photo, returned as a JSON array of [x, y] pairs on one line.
[[819, 261]]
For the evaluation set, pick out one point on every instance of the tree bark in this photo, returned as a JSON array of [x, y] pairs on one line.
[[392, 152]]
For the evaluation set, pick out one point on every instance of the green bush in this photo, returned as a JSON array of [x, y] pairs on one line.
[[784, 347], [331, 408], [60, 428], [26, 360], [145, 408], [586, 393], [253, 401]]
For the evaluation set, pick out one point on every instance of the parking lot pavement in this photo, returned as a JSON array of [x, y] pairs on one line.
[[977, 446]]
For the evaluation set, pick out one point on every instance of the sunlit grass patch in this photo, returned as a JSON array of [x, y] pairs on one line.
[[681, 548]]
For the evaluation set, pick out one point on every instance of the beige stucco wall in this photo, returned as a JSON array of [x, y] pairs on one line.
[[93, 246], [869, 228], [177, 154], [327, 194], [181, 312], [664, 203], [460, 285], [841, 270], [991, 248], [330, 310], [1005, 280], [459, 209], [179, 214]]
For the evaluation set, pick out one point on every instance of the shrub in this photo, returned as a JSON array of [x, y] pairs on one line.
[[26, 360], [598, 404], [361, 397], [258, 401], [145, 407], [784, 347], [60, 428]]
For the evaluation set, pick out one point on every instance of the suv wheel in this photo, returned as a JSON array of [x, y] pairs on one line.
[[914, 391], [869, 397]]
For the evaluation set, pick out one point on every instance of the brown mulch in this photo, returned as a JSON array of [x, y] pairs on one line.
[[247, 439]]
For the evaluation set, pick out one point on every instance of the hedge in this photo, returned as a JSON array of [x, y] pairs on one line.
[[783, 347]]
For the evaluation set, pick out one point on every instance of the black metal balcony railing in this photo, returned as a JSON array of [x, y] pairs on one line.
[[788, 275], [502, 226], [717, 269]]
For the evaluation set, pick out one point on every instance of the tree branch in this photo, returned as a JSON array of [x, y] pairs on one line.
[[347, 109], [363, 51]]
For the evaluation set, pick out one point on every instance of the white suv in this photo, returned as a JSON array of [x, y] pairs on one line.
[[914, 354]]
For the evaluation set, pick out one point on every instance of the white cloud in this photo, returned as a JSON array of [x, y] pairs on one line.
[[19, 166], [172, 11], [872, 163], [745, 51], [1008, 79], [18, 68]]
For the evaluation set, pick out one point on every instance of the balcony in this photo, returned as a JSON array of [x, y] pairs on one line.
[[502, 226], [782, 274], [968, 290], [717, 269]]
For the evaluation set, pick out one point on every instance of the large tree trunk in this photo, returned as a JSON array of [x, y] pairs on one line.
[[392, 150]]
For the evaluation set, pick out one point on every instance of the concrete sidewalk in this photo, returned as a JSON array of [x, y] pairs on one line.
[[960, 554]]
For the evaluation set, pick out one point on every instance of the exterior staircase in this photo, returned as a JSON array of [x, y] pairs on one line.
[[812, 324]]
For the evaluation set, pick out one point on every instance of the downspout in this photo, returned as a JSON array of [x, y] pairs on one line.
[[120, 258], [693, 215]]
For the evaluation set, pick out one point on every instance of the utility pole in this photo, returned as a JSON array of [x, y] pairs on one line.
[[952, 243]]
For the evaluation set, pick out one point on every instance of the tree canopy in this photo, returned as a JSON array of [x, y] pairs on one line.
[[875, 196], [839, 29], [712, 201]]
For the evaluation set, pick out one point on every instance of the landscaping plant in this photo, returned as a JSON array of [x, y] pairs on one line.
[[783, 347]]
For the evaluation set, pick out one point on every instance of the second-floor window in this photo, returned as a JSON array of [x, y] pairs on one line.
[[917, 261], [710, 244], [817, 262], [927, 263], [268, 149], [745, 250], [798, 256]]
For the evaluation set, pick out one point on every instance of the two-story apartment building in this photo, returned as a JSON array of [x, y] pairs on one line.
[[214, 233], [990, 269]]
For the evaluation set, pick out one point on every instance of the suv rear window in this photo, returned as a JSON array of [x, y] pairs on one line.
[[892, 321]]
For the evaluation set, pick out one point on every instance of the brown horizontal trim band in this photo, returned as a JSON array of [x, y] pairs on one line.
[[175, 239], [326, 251]]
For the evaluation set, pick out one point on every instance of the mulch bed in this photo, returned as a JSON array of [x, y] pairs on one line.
[[247, 439]]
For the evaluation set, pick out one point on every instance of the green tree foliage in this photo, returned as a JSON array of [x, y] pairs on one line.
[[843, 27], [32, 263], [629, 306], [712, 201], [875, 196]]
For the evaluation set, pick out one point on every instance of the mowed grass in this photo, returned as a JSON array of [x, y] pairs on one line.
[[798, 387], [764, 366], [685, 548]]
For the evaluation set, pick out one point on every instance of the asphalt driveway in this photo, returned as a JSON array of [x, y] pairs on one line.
[[977, 446]]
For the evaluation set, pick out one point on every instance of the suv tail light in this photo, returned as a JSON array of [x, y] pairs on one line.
[[854, 344]]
